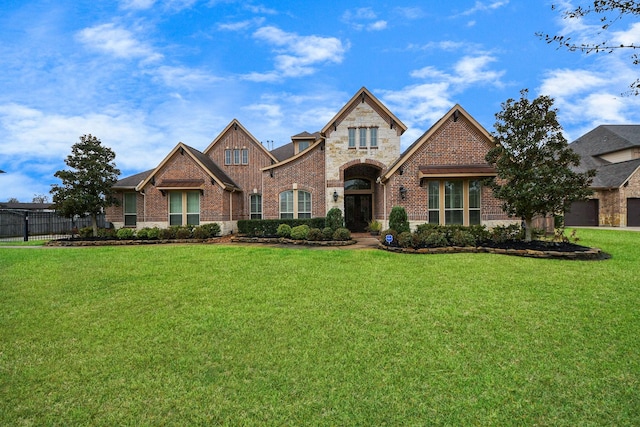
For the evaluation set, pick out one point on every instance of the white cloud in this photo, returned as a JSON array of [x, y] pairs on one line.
[[480, 6], [119, 42], [410, 12], [183, 77], [566, 82], [240, 25], [377, 26], [137, 4], [364, 18], [297, 55]]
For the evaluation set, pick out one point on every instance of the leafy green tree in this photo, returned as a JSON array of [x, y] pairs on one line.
[[534, 164], [86, 188], [608, 13]]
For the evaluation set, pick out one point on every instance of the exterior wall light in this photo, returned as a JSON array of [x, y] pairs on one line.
[[335, 196], [403, 192]]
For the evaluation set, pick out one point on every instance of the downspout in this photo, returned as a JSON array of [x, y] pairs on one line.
[[231, 208]]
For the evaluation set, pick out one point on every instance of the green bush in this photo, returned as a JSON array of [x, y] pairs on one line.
[[502, 233], [284, 230], [184, 232], [108, 233], [398, 219], [85, 232], [405, 239], [300, 232], [334, 219], [206, 231], [125, 233], [436, 239], [342, 234], [153, 233], [315, 234], [269, 227], [463, 237], [327, 233], [143, 233], [167, 233]]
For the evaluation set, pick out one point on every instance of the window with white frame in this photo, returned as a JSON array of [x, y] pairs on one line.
[[474, 202], [184, 207], [130, 209], [453, 202], [373, 137], [304, 204], [363, 137], [295, 204], [227, 157], [460, 204], [286, 204], [256, 206], [352, 137], [433, 189], [236, 156], [245, 156]]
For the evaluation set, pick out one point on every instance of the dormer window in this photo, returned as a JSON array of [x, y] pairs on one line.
[[303, 145]]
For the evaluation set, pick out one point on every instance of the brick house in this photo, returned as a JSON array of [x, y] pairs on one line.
[[353, 163], [614, 152]]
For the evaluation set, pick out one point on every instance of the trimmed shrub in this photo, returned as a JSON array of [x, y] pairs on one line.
[[342, 234], [206, 231], [300, 232], [315, 234], [327, 233], [334, 219], [463, 238], [269, 227], [502, 233], [383, 237], [153, 233], [398, 219], [405, 239], [167, 233], [143, 233], [108, 233], [284, 230], [85, 232], [125, 233], [436, 239], [184, 232]]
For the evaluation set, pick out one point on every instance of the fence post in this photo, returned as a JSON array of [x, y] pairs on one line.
[[26, 226]]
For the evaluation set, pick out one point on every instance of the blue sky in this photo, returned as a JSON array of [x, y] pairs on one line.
[[143, 75]]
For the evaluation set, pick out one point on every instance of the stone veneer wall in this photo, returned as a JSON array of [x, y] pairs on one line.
[[338, 153]]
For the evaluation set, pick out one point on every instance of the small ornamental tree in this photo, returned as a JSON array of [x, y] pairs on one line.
[[398, 220], [534, 164], [86, 188], [334, 219]]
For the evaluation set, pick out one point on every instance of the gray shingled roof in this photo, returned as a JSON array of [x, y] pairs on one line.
[[212, 166], [132, 181], [284, 152], [607, 139], [614, 175]]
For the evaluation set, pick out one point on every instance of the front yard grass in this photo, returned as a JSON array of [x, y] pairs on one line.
[[229, 335]]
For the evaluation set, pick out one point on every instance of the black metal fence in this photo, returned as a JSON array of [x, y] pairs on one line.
[[17, 224]]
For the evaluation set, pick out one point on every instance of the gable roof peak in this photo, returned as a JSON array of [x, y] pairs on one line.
[[364, 95]]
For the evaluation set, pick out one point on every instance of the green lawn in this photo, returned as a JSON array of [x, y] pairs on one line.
[[229, 335]]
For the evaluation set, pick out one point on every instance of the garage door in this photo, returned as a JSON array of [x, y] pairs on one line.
[[633, 212], [582, 214]]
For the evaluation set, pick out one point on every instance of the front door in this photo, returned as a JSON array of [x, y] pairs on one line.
[[357, 211]]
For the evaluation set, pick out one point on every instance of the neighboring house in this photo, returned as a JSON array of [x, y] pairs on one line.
[[353, 163], [614, 152]]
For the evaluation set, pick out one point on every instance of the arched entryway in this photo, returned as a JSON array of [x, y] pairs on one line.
[[359, 196]]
